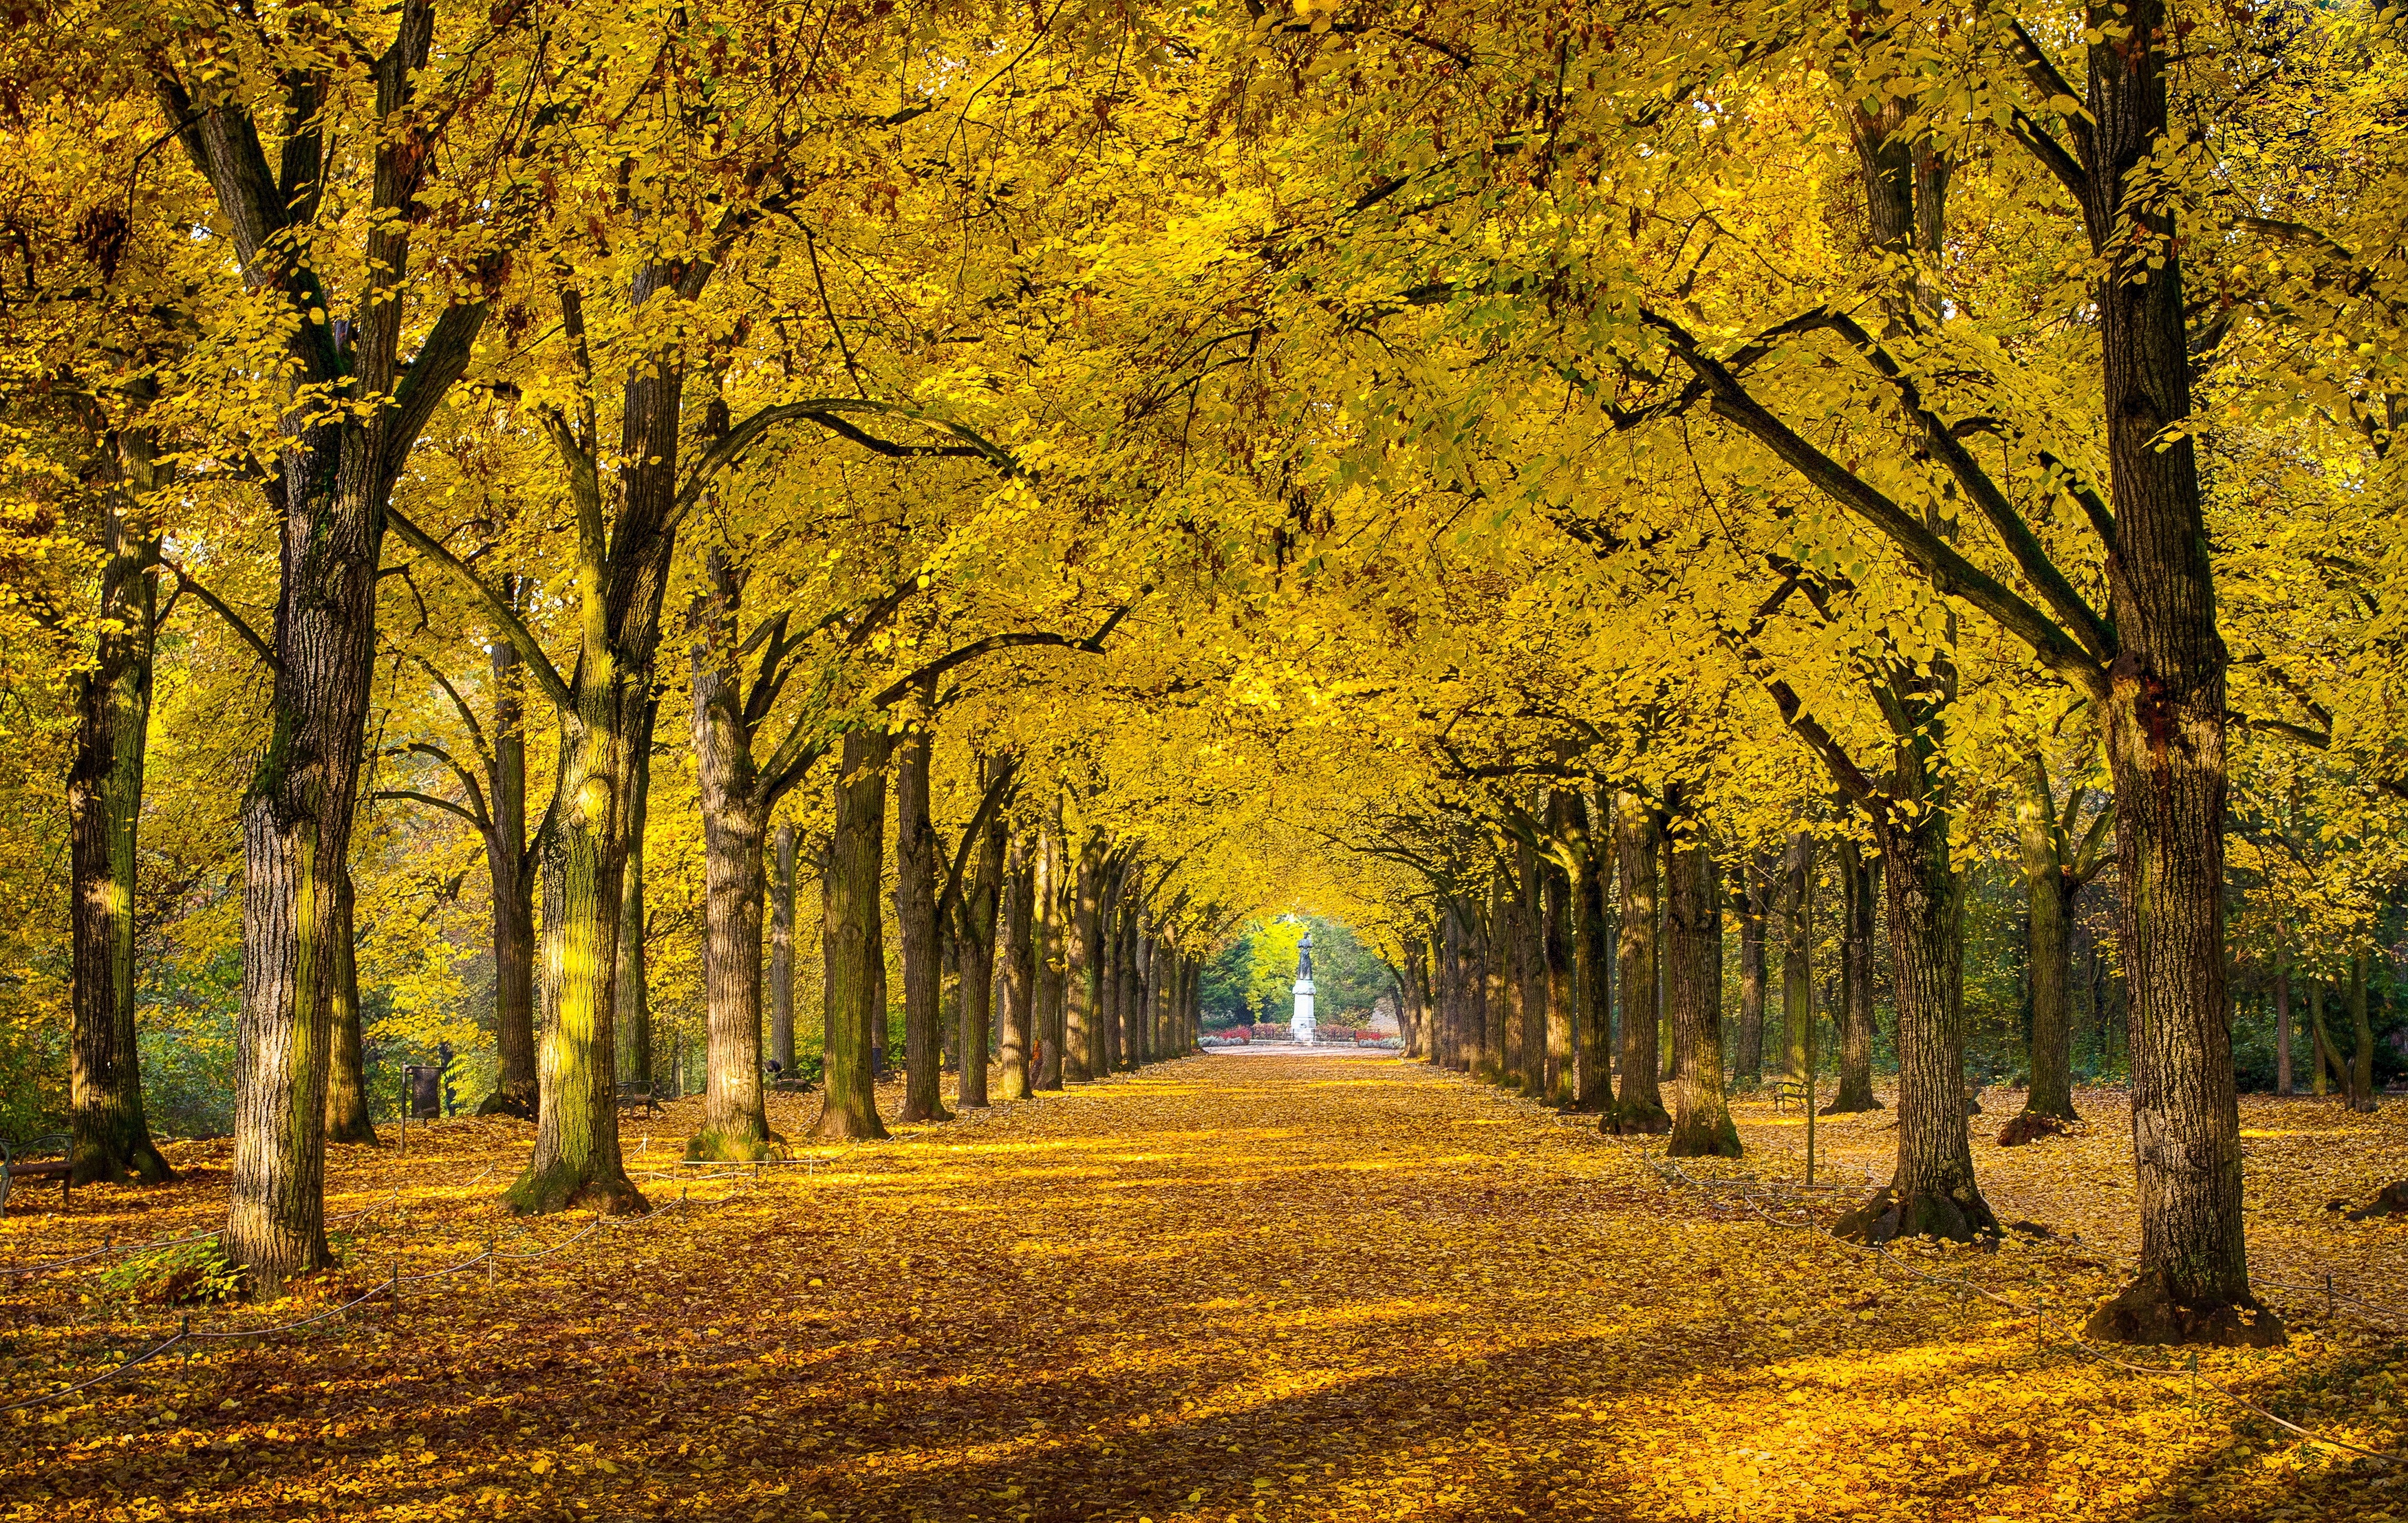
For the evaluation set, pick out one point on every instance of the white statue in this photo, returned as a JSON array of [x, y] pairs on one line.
[[1299, 1026]]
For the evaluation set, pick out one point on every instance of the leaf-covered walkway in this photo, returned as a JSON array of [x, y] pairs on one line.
[[1237, 1285]]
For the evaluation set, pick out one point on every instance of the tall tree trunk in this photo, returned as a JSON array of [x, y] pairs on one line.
[[1594, 963], [1747, 1065], [782, 955], [1023, 954], [1558, 929], [1932, 1191], [915, 916], [511, 870], [347, 1078], [854, 947], [2049, 886], [1701, 1122], [1054, 927], [2361, 1033], [734, 831], [1501, 994], [1797, 959], [1084, 964], [577, 1160], [109, 1133], [2321, 1048], [980, 901], [2164, 724], [1639, 1107], [1858, 905], [1537, 994], [334, 480], [1467, 1027], [633, 1013], [2282, 1020]]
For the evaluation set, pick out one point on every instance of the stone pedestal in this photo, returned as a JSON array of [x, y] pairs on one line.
[[1299, 1026]]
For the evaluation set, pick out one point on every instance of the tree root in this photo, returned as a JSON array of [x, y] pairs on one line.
[[1700, 1141], [1852, 1105], [2029, 1127], [2391, 1201], [139, 1165], [1965, 1217], [1635, 1119], [709, 1147], [508, 1103], [2147, 1312], [566, 1187], [837, 1124]]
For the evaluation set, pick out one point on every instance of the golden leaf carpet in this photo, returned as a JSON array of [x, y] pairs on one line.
[[1248, 1285]]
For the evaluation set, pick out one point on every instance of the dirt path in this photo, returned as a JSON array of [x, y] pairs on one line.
[[1296, 1286]]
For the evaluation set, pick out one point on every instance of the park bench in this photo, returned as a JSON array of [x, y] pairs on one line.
[[637, 1097]]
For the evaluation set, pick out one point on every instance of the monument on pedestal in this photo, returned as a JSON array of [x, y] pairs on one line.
[[1299, 1026]]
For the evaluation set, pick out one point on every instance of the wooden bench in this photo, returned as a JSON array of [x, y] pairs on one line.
[[637, 1097]]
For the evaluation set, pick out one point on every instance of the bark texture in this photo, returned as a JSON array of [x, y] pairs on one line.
[[1701, 1121], [853, 950], [347, 1078], [781, 954], [915, 918], [1637, 842], [1859, 903]]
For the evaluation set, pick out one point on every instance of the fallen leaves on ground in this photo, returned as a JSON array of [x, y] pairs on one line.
[[1251, 1285]]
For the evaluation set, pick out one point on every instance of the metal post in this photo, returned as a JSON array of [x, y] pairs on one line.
[[405, 1112], [1812, 1056]]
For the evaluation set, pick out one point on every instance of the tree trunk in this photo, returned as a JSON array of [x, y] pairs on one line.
[[1083, 965], [109, 1133], [2049, 887], [782, 955], [1052, 890], [1500, 978], [1748, 1063], [2164, 724], [2282, 1020], [633, 1013], [979, 898], [1932, 1191], [1797, 961], [1593, 963], [1559, 930], [334, 481], [2361, 1033], [1701, 1122], [1859, 903], [1530, 953], [1639, 1107], [915, 916], [347, 1078], [577, 1160], [854, 949], [1022, 959], [735, 830], [512, 874]]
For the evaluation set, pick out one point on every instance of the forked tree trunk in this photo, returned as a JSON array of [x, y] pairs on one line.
[[1693, 921], [1021, 953], [915, 918], [334, 480], [853, 948], [1639, 1107], [109, 1133], [1858, 905], [781, 954], [1932, 1191], [347, 1078]]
